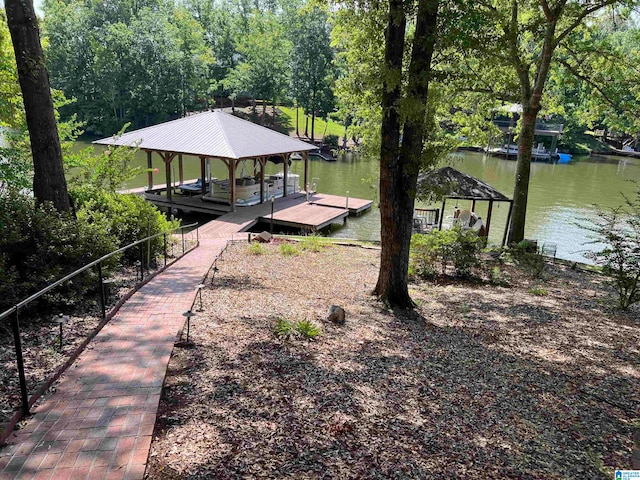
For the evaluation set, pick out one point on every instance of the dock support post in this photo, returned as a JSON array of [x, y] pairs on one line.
[[203, 177], [180, 169], [167, 169], [232, 184], [262, 161], [286, 174], [305, 180], [149, 170]]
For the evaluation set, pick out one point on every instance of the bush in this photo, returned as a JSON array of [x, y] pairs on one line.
[[497, 278], [307, 329], [128, 218], [526, 256], [331, 140], [619, 230], [445, 248], [40, 245], [283, 328]]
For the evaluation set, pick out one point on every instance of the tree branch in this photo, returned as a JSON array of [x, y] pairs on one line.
[[585, 13]]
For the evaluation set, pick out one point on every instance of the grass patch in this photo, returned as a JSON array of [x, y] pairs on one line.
[[539, 291], [313, 243], [288, 250], [256, 249], [333, 128]]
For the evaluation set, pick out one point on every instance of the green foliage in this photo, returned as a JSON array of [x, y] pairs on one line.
[[262, 71], [526, 256], [619, 230], [256, 249], [496, 277], [314, 243], [109, 170], [287, 249], [442, 249], [538, 291], [307, 329], [142, 63], [312, 70], [39, 245], [127, 218], [302, 328], [283, 328], [331, 140]]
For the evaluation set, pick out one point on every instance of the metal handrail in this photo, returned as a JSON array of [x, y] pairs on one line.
[[50, 287]]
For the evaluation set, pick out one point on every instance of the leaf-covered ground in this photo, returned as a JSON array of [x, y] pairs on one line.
[[535, 381]]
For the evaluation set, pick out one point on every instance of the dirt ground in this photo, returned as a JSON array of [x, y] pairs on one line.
[[537, 380]]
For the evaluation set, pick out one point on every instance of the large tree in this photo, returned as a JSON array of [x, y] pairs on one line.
[[263, 69], [49, 183], [312, 61], [404, 116], [523, 37]]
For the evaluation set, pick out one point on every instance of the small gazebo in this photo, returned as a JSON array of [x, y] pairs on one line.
[[457, 185], [214, 135]]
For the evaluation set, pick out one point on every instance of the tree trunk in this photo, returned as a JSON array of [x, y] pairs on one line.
[[297, 120], [390, 287], [49, 183], [523, 172], [401, 175], [306, 125], [313, 116]]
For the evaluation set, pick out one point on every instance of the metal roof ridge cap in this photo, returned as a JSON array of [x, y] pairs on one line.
[[270, 129], [224, 132]]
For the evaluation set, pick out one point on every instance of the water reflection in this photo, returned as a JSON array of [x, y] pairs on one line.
[[560, 195]]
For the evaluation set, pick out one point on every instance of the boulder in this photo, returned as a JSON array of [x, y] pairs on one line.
[[336, 315], [264, 237]]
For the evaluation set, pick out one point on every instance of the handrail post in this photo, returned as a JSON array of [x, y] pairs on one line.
[[165, 248], [142, 261], [103, 299], [15, 326]]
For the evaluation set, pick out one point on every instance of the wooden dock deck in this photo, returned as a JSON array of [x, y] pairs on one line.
[[355, 205], [291, 211], [294, 211]]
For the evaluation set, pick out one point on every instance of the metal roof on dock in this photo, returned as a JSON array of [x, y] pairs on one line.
[[214, 134]]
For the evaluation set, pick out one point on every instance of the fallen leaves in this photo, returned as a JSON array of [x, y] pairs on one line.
[[511, 385]]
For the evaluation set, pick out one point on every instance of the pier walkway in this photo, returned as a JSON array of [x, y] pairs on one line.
[[99, 422]]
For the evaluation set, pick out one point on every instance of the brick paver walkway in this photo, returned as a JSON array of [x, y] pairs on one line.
[[98, 424]]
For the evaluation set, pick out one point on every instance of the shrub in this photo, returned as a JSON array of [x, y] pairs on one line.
[[444, 248], [526, 256], [497, 278], [283, 328], [288, 250], [619, 230], [40, 245], [128, 218], [256, 249], [307, 329], [331, 140]]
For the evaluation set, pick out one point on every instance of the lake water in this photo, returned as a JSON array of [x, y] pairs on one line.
[[560, 195]]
